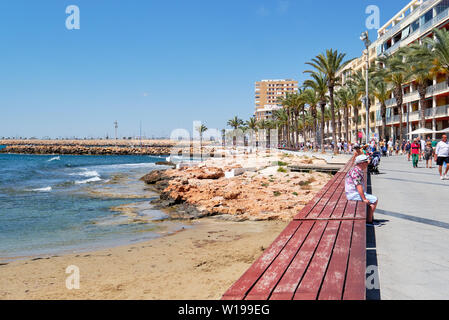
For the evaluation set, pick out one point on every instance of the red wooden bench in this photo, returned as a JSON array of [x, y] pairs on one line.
[[320, 255]]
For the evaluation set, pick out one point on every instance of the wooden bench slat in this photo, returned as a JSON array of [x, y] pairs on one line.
[[333, 284], [350, 210], [355, 287], [266, 284], [318, 197], [340, 208], [319, 203], [330, 206], [310, 285], [286, 287], [241, 287], [361, 211]]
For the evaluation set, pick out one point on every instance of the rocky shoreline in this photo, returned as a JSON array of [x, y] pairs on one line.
[[270, 193]]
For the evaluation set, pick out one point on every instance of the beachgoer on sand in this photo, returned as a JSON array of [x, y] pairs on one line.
[[354, 187]]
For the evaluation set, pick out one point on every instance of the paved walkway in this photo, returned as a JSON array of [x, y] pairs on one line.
[[413, 243]]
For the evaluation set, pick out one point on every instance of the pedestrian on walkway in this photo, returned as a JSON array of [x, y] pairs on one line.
[[416, 147], [423, 148], [390, 147], [428, 154], [408, 149], [442, 157], [355, 189]]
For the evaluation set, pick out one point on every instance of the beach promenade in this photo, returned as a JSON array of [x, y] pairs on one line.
[[412, 242]]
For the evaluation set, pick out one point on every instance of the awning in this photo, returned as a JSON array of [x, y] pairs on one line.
[[421, 131]]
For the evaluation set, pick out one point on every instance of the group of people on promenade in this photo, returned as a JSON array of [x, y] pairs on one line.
[[418, 149], [429, 151]]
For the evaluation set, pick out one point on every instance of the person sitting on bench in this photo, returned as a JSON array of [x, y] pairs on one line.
[[354, 187]]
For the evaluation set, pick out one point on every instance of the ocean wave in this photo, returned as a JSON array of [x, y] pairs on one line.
[[128, 165], [86, 173], [93, 179], [54, 159], [46, 189]]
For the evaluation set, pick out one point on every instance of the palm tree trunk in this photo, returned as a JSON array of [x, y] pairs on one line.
[[383, 111], [346, 115], [287, 128], [422, 99], [339, 125], [304, 124], [334, 131], [322, 107], [398, 95], [356, 116], [297, 128]]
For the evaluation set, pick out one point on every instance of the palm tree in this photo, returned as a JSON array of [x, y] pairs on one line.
[[286, 102], [338, 108], [281, 121], [440, 48], [382, 92], [395, 73], [329, 64], [235, 123], [252, 125], [421, 67], [354, 100], [201, 129], [343, 96], [311, 98], [319, 85], [296, 104]]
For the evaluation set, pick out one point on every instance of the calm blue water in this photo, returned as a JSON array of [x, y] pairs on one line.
[[51, 204]]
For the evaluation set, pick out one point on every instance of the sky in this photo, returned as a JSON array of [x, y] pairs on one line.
[[161, 64]]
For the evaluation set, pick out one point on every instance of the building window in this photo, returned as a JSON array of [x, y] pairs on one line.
[[414, 26]]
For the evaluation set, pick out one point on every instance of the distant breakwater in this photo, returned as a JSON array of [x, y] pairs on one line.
[[84, 150]]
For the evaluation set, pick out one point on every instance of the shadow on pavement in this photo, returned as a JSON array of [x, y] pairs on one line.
[[372, 275]]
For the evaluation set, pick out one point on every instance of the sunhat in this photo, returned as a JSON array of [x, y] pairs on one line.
[[361, 159]]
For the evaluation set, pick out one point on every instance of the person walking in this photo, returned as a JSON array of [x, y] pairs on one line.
[[415, 152], [408, 149], [423, 147], [355, 189], [390, 147], [442, 157], [428, 154]]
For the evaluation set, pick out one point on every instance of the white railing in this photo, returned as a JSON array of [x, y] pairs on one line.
[[442, 86], [442, 111], [390, 102]]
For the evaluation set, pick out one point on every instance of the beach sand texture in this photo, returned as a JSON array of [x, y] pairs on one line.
[[199, 263]]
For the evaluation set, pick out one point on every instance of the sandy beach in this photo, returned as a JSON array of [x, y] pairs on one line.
[[240, 217], [198, 263]]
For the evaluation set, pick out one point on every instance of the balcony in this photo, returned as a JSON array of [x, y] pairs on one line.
[[438, 88], [422, 29]]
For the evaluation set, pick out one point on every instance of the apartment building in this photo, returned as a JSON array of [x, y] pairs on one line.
[[412, 24], [267, 93]]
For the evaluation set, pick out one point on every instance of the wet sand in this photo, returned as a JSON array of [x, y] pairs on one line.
[[201, 262]]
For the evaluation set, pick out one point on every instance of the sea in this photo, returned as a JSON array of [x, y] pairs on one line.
[[52, 205]]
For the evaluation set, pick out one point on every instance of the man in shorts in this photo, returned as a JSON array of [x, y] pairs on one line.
[[442, 156], [354, 187]]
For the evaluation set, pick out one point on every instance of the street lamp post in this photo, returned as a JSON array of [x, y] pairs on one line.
[[365, 38]]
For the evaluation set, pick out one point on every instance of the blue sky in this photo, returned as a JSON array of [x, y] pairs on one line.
[[165, 63]]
